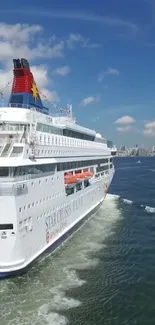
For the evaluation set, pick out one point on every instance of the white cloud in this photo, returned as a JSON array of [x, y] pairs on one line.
[[18, 31], [87, 43], [112, 71], [75, 39], [41, 75], [109, 71], [88, 100], [6, 76], [78, 15], [150, 125], [27, 41], [52, 96], [30, 43], [124, 129], [149, 132], [125, 120], [62, 71], [149, 129]]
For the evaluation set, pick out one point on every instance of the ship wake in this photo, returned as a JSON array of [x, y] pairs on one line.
[[74, 256]]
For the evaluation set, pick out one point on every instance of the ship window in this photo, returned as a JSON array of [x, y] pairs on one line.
[[48, 129], [20, 224], [101, 140], [17, 150], [6, 226], [69, 191], [101, 168], [78, 135], [73, 164], [81, 164], [78, 187], [44, 169], [4, 171], [86, 183], [30, 219], [34, 169]]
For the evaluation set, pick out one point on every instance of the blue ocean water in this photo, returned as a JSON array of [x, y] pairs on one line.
[[134, 180], [121, 289], [105, 273]]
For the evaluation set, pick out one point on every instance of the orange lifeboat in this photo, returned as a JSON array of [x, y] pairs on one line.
[[88, 174], [80, 175], [70, 179]]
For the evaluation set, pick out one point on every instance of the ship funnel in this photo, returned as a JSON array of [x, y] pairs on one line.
[[25, 93]]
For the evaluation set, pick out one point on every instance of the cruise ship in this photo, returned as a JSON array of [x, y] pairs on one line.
[[54, 174]]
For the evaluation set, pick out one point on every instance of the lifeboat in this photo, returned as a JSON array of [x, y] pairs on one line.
[[80, 175], [70, 179], [88, 174]]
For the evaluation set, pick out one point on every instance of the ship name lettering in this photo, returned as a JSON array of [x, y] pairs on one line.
[[57, 217]]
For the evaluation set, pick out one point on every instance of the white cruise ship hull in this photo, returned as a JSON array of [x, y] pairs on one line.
[[54, 173], [51, 227]]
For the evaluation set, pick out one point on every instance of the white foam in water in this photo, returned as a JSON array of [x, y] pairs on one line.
[[127, 201], [150, 209], [51, 318], [48, 283], [115, 196], [73, 279]]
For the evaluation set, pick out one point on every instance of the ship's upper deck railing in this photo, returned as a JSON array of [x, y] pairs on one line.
[[18, 105], [11, 127], [31, 107]]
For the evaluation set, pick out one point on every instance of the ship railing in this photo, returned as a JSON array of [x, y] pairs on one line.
[[5, 127], [18, 105], [63, 141], [55, 114]]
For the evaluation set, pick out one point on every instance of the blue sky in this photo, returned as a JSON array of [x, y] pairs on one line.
[[99, 56]]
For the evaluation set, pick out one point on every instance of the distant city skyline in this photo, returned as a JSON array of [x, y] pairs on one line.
[[135, 151]]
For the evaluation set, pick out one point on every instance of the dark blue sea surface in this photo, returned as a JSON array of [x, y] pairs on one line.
[[134, 180], [121, 288], [105, 273]]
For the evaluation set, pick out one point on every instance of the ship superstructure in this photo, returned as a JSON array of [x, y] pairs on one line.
[[53, 174]]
